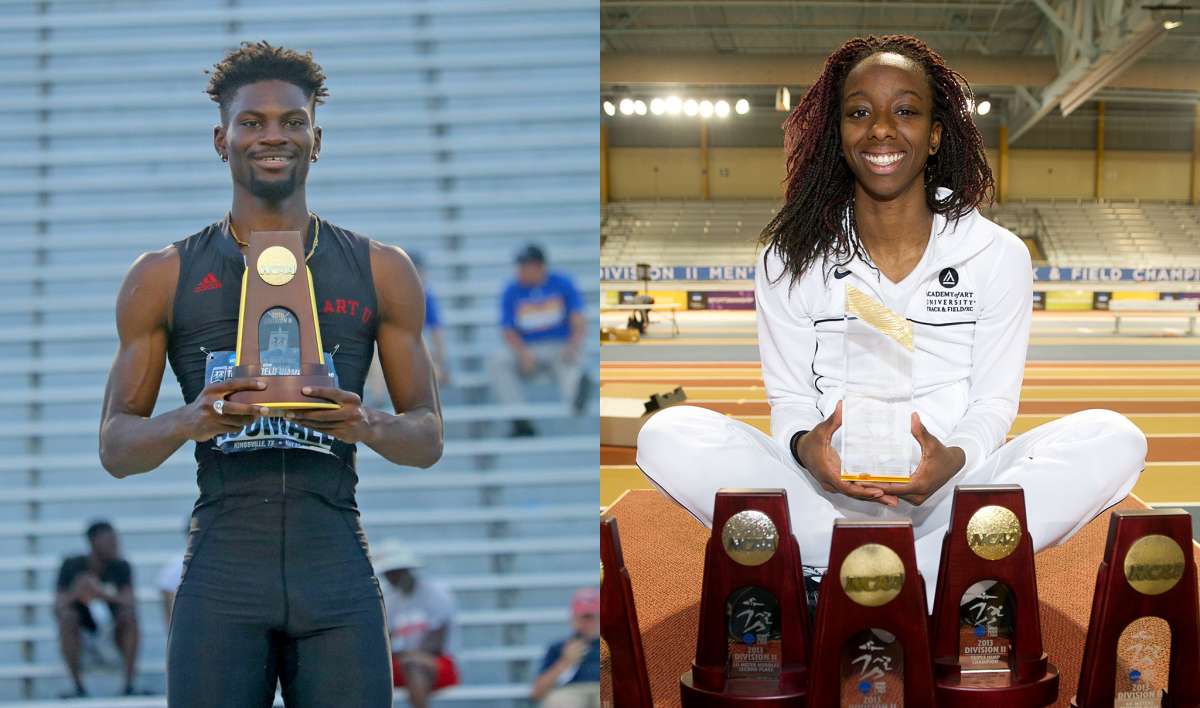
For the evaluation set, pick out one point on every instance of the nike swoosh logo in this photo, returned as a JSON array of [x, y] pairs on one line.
[[839, 274]]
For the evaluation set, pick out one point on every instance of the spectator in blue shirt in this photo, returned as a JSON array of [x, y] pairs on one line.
[[570, 672], [541, 318]]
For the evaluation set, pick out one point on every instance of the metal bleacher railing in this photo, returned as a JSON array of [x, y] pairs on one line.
[[460, 129]]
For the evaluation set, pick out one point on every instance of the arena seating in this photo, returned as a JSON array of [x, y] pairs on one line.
[[680, 232], [1109, 234], [1075, 233], [432, 142]]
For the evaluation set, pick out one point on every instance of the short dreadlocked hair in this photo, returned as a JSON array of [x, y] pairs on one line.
[[817, 217], [259, 61]]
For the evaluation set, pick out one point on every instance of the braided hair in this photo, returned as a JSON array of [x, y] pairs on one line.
[[818, 212], [259, 61]]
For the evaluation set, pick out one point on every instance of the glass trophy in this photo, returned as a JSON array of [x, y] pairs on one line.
[[877, 405], [872, 670], [1143, 655], [755, 650]]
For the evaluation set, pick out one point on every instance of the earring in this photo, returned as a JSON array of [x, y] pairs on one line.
[[224, 158], [314, 157]]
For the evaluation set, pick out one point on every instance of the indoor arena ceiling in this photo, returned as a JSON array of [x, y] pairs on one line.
[[1042, 55]]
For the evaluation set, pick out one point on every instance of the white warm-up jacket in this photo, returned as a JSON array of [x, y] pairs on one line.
[[970, 318]]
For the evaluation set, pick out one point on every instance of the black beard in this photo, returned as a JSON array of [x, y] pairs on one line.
[[274, 191]]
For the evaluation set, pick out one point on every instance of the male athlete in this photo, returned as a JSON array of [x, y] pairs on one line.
[[277, 584]]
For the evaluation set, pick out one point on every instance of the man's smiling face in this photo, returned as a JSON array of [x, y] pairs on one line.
[[270, 138], [887, 125]]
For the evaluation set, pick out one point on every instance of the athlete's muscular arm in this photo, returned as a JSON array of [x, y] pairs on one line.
[[413, 435], [131, 441]]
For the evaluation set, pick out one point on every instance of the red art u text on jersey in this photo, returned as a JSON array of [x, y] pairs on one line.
[[347, 307]]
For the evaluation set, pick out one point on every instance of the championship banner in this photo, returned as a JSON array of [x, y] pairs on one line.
[[1042, 274], [629, 273]]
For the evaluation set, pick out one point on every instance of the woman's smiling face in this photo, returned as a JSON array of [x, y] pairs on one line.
[[887, 125]]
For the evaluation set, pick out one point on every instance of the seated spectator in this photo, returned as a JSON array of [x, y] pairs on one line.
[[420, 620], [94, 605], [570, 673], [541, 318]]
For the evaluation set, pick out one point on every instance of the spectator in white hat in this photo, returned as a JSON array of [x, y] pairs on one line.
[[420, 618]]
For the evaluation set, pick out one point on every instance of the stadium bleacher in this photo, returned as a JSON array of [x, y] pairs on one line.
[[461, 129]]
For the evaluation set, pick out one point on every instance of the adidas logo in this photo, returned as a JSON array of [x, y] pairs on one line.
[[208, 282]]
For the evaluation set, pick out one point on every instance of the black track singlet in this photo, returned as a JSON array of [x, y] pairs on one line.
[[277, 582]]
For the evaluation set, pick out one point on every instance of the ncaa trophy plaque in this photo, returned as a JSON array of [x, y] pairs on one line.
[[1148, 571], [986, 632], [619, 624], [279, 339], [751, 644], [876, 435], [872, 630]]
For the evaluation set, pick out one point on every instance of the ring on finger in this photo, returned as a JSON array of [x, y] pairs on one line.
[[219, 406]]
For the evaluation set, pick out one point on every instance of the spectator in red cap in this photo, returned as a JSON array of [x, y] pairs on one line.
[[570, 673]]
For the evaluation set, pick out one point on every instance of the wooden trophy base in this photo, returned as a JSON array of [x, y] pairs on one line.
[[284, 392], [741, 693], [1001, 693]]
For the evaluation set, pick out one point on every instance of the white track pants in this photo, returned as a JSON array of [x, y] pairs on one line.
[[1071, 469]]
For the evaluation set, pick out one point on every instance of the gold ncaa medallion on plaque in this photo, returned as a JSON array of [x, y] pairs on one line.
[[1154, 564], [279, 335], [872, 575], [749, 537], [993, 532], [276, 265]]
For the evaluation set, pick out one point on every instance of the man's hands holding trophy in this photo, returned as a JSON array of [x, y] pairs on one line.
[[211, 414], [937, 466], [350, 423]]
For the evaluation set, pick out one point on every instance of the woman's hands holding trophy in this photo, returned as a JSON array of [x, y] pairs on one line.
[[938, 465], [815, 448]]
